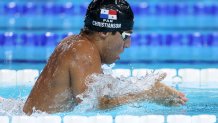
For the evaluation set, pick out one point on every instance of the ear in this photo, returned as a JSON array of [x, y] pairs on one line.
[[104, 35]]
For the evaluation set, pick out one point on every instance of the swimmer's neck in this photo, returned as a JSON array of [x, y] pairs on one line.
[[90, 37], [97, 43]]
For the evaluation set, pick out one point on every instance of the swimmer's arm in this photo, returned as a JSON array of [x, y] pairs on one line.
[[159, 93], [110, 102]]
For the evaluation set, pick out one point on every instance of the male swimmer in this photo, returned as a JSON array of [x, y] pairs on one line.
[[106, 33]]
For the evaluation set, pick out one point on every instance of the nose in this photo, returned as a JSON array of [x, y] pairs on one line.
[[127, 43]]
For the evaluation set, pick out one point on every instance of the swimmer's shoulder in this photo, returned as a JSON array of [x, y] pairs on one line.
[[69, 40], [77, 44], [76, 48]]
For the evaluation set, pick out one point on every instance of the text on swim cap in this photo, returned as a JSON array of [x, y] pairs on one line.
[[107, 25]]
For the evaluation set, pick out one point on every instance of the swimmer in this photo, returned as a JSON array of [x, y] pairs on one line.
[[105, 35]]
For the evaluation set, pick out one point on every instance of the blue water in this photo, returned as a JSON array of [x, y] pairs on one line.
[[201, 101]]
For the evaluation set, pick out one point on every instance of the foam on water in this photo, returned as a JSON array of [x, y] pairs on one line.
[[11, 107], [98, 85]]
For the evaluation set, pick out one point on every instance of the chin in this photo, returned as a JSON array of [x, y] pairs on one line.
[[110, 61]]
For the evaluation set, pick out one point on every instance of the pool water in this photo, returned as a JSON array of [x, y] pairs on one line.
[[201, 101]]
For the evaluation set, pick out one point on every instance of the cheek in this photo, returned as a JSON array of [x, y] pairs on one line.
[[116, 47], [117, 44], [120, 45]]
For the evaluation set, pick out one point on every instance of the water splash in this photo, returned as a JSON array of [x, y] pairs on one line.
[[11, 107], [99, 85]]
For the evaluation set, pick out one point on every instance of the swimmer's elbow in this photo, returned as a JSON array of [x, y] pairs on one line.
[[27, 111]]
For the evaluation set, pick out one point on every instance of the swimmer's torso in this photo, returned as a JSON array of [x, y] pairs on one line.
[[64, 76]]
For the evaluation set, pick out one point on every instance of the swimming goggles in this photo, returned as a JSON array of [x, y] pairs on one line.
[[125, 35]]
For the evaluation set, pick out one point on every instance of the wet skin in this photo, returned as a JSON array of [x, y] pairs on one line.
[[73, 60]]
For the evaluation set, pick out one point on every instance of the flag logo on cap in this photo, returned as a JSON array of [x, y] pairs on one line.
[[108, 14]]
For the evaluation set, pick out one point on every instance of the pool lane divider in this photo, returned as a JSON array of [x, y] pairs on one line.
[[109, 119]]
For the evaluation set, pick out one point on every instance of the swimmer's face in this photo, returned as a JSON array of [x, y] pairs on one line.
[[115, 45]]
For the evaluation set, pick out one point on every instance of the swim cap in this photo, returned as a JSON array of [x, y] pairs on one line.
[[109, 16]]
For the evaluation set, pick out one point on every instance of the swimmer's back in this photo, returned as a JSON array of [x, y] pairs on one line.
[[58, 84]]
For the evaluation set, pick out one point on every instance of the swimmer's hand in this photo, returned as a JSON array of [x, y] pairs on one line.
[[165, 95]]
